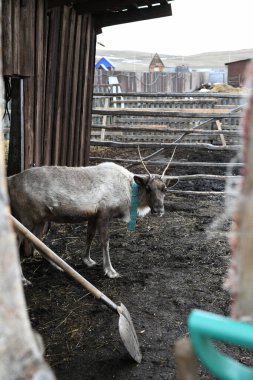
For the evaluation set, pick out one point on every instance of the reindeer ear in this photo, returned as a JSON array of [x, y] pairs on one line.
[[171, 182], [141, 181]]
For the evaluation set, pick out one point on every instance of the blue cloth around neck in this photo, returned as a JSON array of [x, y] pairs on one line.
[[134, 206]]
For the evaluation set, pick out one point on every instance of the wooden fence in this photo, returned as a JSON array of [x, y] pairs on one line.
[[199, 122], [151, 82]]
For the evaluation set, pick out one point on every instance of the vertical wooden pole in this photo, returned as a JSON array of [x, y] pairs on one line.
[[27, 38], [67, 101], [7, 38], [21, 357], [52, 62], [240, 279], [74, 93], [28, 121], [60, 86], [186, 361], [79, 100], [88, 65], [15, 155], [85, 95], [15, 20], [39, 79], [219, 127]]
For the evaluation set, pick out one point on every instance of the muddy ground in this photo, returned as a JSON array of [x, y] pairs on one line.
[[169, 266]]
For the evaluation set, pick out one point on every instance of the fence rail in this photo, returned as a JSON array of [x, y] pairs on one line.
[[215, 114], [193, 99], [200, 122], [219, 114]]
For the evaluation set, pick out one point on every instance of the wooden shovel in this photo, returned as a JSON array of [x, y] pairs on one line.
[[126, 327]]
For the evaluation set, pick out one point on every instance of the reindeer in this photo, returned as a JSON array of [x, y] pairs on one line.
[[96, 194]]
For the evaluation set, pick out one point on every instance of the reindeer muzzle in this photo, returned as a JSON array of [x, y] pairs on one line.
[[157, 211]]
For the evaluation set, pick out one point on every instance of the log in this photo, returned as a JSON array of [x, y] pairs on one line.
[[157, 112], [166, 101], [172, 164], [175, 95], [161, 128], [141, 144], [205, 176], [189, 192]]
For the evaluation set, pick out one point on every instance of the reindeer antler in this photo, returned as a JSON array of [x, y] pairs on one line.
[[167, 167], [145, 167]]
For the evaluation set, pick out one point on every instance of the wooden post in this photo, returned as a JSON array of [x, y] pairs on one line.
[[52, 64], [60, 94], [104, 117], [240, 280], [70, 77], [219, 124], [186, 361], [104, 120], [73, 119], [20, 353], [16, 146], [39, 82]]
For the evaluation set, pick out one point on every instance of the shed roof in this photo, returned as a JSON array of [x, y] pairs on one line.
[[156, 61], [114, 12], [241, 60], [104, 63]]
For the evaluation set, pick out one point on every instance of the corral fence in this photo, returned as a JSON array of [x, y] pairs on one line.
[[151, 82], [197, 122]]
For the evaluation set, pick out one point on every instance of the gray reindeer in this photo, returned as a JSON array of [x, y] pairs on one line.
[[96, 194]]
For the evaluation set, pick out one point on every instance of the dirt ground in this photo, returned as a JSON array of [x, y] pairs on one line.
[[169, 266]]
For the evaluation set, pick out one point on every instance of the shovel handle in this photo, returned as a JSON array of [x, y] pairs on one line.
[[49, 254]]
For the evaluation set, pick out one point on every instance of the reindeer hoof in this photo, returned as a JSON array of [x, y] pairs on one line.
[[111, 273], [26, 282], [39, 341], [89, 262]]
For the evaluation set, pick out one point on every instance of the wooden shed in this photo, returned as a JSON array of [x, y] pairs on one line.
[[48, 66], [236, 71], [156, 64]]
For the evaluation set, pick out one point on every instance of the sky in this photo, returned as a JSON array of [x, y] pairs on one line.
[[196, 26]]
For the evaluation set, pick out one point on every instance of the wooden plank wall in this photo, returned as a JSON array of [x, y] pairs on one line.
[[18, 35], [53, 50]]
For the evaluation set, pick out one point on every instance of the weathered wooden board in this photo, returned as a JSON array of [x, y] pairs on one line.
[[54, 51]]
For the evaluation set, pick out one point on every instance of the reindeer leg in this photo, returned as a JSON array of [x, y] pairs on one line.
[[25, 282], [91, 232], [102, 225], [38, 232], [35, 230]]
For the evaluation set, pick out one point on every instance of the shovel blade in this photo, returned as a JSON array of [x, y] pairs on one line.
[[128, 334]]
